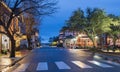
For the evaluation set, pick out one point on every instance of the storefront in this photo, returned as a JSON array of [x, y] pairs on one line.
[[4, 43]]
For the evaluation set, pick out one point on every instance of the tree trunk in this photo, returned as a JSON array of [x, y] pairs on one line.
[[114, 44], [101, 41], [29, 42], [13, 43], [94, 46], [12, 53]]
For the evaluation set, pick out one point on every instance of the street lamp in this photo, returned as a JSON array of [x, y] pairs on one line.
[[96, 37], [74, 42], [96, 40], [80, 35]]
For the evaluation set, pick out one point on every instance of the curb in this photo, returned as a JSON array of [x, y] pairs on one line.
[[14, 62], [109, 57]]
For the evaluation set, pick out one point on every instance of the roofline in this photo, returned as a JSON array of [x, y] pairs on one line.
[[5, 6]]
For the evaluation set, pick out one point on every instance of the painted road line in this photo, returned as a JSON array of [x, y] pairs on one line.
[[42, 66], [110, 62], [81, 64], [99, 64], [22, 68], [62, 65]]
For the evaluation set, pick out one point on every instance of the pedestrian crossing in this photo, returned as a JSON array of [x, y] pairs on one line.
[[62, 65], [42, 66], [81, 64], [110, 62], [100, 64]]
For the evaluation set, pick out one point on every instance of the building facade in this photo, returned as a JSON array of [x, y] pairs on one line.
[[75, 39], [5, 11], [5, 43]]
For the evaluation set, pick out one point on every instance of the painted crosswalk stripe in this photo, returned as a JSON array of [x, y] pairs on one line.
[[42, 66], [22, 68], [113, 63], [81, 64], [62, 65], [99, 64]]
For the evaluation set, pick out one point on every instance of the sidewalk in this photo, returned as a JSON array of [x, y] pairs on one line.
[[110, 51], [109, 56], [5, 61]]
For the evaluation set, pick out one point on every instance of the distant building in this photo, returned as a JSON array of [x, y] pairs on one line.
[[66, 36], [80, 39], [83, 40], [35, 38], [73, 39], [17, 26]]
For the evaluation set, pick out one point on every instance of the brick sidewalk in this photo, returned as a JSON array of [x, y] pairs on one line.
[[5, 61]]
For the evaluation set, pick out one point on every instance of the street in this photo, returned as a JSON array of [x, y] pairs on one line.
[[51, 59]]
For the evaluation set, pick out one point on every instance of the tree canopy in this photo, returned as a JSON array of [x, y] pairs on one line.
[[77, 20], [94, 22]]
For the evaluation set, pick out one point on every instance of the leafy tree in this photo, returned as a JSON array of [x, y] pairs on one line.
[[64, 28], [97, 23], [35, 7], [115, 28], [114, 33], [50, 39], [54, 40], [76, 21]]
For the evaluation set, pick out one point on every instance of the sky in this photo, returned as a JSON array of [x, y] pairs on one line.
[[51, 25]]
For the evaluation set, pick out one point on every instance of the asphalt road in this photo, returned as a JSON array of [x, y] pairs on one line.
[[48, 59]]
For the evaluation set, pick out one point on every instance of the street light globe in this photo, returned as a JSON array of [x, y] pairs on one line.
[[18, 16], [96, 37], [74, 39], [80, 35]]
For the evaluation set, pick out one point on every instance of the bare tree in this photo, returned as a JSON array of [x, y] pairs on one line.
[[30, 24], [35, 7]]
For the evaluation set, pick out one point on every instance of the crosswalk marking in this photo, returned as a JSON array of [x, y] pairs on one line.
[[42, 66], [99, 64], [81, 64], [113, 63], [22, 68], [62, 65]]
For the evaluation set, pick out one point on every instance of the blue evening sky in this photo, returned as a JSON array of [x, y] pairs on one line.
[[51, 25]]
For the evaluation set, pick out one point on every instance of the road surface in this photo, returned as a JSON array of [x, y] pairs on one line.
[[48, 59]]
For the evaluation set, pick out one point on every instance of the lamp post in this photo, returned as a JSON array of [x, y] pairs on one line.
[[96, 38], [74, 42]]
